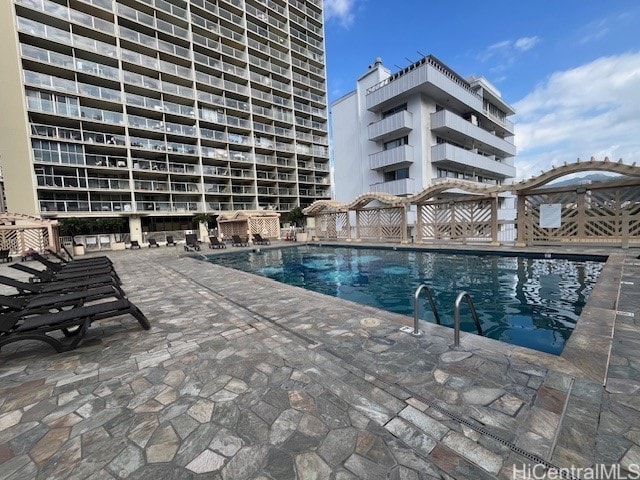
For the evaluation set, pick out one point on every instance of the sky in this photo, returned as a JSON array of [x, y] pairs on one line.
[[570, 69]]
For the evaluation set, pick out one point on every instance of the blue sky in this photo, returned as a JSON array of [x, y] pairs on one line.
[[571, 69]]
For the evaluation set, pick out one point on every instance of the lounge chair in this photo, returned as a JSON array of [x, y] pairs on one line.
[[5, 257], [71, 285], [236, 241], [170, 241], [258, 240], [153, 243], [134, 244], [47, 302], [215, 243], [66, 274], [74, 323], [73, 264], [191, 242]]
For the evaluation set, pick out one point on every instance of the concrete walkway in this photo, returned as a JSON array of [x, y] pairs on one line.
[[241, 377]]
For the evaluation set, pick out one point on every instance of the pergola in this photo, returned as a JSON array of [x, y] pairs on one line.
[[605, 212], [455, 209], [247, 222], [20, 233]]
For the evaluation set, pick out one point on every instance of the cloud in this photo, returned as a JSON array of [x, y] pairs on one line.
[[508, 50], [591, 110], [526, 43], [340, 10]]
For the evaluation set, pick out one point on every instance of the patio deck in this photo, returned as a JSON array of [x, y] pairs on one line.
[[242, 377]]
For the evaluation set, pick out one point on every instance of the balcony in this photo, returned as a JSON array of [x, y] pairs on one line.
[[397, 157], [451, 126], [398, 124], [449, 156], [405, 186]]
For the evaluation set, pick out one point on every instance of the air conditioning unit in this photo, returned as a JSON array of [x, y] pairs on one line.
[[473, 119]]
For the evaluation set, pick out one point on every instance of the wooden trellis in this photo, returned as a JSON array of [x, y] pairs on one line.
[[333, 225], [19, 233], [380, 223], [605, 213], [245, 223], [460, 220]]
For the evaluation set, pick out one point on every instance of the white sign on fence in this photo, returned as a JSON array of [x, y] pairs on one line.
[[550, 215]]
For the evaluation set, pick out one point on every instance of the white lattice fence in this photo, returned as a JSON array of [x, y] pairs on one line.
[[23, 239], [325, 226], [368, 223], [472, 221], [392, 223], [265, 226], [598, 215], [435, 222], [333, 225], [9, 241]]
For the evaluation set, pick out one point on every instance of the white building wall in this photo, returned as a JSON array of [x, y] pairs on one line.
[[351, 147]]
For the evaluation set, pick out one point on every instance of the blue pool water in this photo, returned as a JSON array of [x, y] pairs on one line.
[[523, 301]]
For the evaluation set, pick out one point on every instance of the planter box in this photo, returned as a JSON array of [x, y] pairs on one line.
[[78, 250], [117, 246], [302, 237]]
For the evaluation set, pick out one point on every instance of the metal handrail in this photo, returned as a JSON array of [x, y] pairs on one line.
[[415, 307], [456, 317]]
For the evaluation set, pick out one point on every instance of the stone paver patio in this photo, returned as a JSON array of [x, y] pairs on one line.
[[241, 377]]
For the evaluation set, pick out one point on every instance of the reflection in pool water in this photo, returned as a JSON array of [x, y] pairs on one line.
[[523, 301]]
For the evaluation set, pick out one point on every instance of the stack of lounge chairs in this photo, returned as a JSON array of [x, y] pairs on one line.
[[65, 297]]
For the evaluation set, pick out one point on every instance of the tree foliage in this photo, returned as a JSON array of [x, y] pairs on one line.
[[296, 217]]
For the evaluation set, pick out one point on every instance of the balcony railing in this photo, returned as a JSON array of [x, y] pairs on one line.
[[405, 186], [399, 157], [394, 125]]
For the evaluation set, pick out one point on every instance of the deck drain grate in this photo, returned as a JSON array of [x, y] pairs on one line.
[[562, 473]]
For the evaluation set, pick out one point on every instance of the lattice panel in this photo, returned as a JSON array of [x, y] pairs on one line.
[[472, 220], [596, 215], [368, 223], [227, 229], [326, 226], [266, 226], [9, 240], [569, 216], [460, 221], [20, 240], [391, 221], [342, 225]]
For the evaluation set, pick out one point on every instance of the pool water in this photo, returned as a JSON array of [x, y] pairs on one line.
[[523, 301]]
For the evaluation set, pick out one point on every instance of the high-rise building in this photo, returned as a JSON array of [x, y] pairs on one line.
[[159, 109], [399, 133]]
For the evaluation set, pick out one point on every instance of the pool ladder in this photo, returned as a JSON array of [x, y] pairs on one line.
[[456, 312]]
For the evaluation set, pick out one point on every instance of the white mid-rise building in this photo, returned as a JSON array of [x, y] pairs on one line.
[[399, 133]]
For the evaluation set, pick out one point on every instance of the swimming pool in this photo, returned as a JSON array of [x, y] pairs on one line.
[[532, 302]]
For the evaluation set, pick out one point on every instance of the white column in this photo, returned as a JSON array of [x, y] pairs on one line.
[[135, 228]]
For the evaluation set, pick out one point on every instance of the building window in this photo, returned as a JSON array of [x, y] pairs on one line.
[[399, 174], [394, 110], [398, 142]]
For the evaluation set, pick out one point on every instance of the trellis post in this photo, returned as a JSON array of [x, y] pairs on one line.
[[494, 221], [521, 221]]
